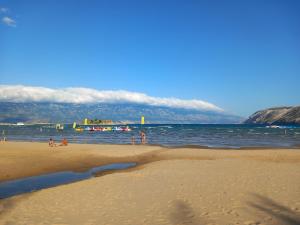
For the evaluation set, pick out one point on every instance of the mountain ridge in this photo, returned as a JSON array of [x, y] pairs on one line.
[[276, 115], [11, 112]]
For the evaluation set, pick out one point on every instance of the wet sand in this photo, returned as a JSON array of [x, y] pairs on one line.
[[170, 186], [23, 159]]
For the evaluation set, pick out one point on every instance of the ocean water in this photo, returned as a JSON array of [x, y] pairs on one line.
[[210, 135]]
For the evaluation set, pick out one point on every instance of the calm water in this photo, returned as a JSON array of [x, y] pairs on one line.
[[30, 184], [168, 135]]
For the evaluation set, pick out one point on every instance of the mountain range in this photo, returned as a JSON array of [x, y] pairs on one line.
[[11, 112], [278, 116]]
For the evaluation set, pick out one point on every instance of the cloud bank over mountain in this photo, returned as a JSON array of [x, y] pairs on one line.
[[20, 93]]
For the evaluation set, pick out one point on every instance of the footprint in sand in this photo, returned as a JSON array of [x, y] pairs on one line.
[[10, 223], [233, 213], [204, 214], [268, 219], [252, 223]]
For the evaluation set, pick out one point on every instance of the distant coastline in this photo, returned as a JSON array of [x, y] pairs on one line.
[[277, 116]]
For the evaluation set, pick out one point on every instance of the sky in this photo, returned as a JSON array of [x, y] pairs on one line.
[[238, 56]]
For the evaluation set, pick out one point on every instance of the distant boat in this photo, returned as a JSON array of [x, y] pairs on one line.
[[117, 129], [20, 124], [273, 126], [79, 129], [91, 129], [59, 126], [98, 128], [126, 128], [121, 128], [107, 129]]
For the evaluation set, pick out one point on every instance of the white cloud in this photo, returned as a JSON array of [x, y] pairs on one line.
[[20, 93], [9, 21], [4, 10]]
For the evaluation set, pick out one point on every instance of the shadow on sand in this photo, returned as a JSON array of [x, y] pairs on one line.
[[279, 213], [182, 213]]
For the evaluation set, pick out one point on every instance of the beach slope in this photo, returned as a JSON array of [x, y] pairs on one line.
[[170, 186]]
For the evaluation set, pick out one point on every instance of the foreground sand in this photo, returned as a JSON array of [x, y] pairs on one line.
[[172, 186]]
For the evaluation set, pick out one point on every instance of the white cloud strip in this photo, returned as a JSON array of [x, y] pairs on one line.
[[9, 21], [20, 93], [3, 10]]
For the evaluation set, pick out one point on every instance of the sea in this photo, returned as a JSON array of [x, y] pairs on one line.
[[170, 135]]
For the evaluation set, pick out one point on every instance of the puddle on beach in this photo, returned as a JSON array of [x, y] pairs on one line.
[[30, 184]]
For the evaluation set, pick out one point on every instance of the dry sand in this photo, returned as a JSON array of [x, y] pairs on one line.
[[172, 186]]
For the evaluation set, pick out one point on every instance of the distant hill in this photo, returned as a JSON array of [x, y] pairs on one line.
[[279, 116], [128, 113]]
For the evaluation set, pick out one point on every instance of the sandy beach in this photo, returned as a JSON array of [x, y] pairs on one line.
[[169, 186]]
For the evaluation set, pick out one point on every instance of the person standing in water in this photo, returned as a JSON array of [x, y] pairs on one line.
[[132, 140], [4, 139], [143, 137]]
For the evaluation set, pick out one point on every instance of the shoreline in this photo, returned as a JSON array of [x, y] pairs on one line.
[[37, 158], [294, 147]]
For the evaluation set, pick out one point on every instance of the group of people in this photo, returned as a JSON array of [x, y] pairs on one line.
[[64, 142], [142, 138]]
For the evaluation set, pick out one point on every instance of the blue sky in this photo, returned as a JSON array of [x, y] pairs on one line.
[[239, 55]]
